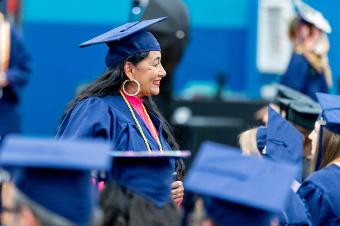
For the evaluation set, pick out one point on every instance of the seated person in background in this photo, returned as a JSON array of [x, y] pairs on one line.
[[302, 112], [321, 190], [233, 194], [51, 182], [281, 142]]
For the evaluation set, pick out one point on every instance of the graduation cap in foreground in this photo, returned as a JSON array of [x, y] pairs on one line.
[[329, 118], [239, 190], [148, 174], [127, 40], [56, 175], [312, 16]]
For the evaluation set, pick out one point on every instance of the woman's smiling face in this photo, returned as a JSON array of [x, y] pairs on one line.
[[149, 73]]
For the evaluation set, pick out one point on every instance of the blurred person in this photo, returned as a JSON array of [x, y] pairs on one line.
[[14, 71], [235, 195], [299, 109], [321, 190], [123, 205], [282, 142], [51, 183], [302, 111], [308, 70], [118, 107]]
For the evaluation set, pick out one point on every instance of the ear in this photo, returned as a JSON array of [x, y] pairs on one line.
[[27, 217], [129, 70]]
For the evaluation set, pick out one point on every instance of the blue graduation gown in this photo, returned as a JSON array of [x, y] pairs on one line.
[[109, 118], [17, 74], [295, 212], [321, 193], [301, 76]]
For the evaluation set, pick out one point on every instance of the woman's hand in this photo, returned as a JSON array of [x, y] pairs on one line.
[[177, 192]]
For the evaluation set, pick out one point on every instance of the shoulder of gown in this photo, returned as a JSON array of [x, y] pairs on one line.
[[295, 213], [91, 117], [321, 194]]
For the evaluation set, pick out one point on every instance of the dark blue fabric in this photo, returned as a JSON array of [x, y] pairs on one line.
[[17, 75], [230, 214], [56, 174], [321, 194], [261, 137], [222, 173], [330, 105], [142, 41], [69, 194], [109, 118], [284, 141], [127, 40], [295, 213], [301, 76]]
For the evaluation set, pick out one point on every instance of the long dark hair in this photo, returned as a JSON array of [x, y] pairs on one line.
[[110, 82]]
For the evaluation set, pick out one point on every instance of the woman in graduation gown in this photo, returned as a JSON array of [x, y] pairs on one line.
[[321, 190], [118, 107], [308, 70]]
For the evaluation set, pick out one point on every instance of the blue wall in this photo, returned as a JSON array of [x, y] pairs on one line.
[[223, 39]]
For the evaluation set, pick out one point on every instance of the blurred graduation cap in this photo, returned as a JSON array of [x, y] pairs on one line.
[[56, 175], [288, 93], [148, 174], [299, 108], [303, 114], [284, 141], [240, 190], [312, 16], [329, 118], [127, 40]]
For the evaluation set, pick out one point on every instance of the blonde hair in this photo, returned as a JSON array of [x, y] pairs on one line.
[[330, 147], [247, 142]]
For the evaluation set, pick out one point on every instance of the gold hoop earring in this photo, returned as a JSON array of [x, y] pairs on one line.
[[138, 87]]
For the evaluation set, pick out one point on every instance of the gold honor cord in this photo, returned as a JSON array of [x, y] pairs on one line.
[[140, 128]]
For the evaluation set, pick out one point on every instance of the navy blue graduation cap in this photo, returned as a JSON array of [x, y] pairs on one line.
[[239, 190], [127, 40], [329, 118], [148, 174], [284, 141], [303, 114], [299, 108], [312, 16], [56, 174], [286, 92]]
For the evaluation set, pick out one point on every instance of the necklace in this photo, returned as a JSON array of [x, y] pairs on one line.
[[139, 126]]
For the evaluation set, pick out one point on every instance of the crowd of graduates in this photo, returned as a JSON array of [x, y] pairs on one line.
[[115, 161]]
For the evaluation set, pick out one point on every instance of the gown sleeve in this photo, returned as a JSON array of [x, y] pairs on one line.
[[91, 118], [19, 65], [317, 201]]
